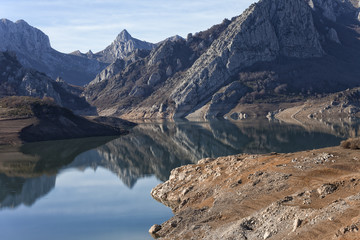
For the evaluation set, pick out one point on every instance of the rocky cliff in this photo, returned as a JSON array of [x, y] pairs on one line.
[[272, 52], [33, 50], [16, 80]]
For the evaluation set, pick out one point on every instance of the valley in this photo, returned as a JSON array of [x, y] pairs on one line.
[[235, 128]]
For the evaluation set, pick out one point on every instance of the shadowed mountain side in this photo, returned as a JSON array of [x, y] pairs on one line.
[[16, 80]]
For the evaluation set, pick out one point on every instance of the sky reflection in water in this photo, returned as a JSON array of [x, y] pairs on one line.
[[100, 188], [87, 205]]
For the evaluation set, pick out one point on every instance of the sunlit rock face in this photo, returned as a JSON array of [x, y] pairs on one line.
[[122, 46], [33, 50], [211, 71]]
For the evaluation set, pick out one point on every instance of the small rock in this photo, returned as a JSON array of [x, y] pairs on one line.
[[267, 235], [169, 71], [174, 224], [326, 189], [297, 224], [154, 229]]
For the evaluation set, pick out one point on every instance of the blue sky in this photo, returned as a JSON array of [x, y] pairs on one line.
[[94, 24]]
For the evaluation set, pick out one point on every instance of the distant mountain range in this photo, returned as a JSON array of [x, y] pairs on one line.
[[274, 52], [33, 50]]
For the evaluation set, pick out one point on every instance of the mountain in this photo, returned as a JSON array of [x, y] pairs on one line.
[[33, 50], [127, 58], [123, 45], [16, 80], [276, 51]]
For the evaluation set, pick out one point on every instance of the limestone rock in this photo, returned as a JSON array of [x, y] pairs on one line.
[[225, 99], [169, 71], [261, 33], [33, 50], [122, 46], [161, 52], [326, 189], [154, 229], [15, 80], [332, 9], [154, 79], [110, 71], [333, 36], [137, 92]]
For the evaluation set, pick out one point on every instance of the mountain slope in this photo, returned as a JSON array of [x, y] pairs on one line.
[[33, 50], [275, 51], [29, 119], [15, 80], [139, 80]]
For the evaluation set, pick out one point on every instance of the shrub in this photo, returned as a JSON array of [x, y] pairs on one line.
[[351, 143]]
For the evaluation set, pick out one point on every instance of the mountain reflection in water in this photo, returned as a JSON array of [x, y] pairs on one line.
[[29, 172], [78, 180]]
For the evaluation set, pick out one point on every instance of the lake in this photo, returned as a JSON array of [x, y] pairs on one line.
[[99, 188]]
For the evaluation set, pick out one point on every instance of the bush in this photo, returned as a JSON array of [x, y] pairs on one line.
[[351, 143]]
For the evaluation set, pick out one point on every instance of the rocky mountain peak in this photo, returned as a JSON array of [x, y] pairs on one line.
[[22, 21], [22, 37], [122, 46], [33, 50], [123, 36]]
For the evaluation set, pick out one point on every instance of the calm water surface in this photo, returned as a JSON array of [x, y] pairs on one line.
[[99, 188]]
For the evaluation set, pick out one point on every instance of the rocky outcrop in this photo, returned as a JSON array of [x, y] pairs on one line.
[[334, 9], [261, 33], [120, 64], [19, 81], [123, 45], [33, 50], [225, 99], [303, 195]]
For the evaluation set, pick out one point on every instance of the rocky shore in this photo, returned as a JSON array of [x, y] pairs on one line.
[[304, 195]]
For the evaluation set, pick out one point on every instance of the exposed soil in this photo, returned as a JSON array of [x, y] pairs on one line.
[[304, 195]]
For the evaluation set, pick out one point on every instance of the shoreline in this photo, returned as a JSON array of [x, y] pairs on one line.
[[303, 195]]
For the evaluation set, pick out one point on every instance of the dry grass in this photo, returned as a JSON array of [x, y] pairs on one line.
[[21, 106]]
